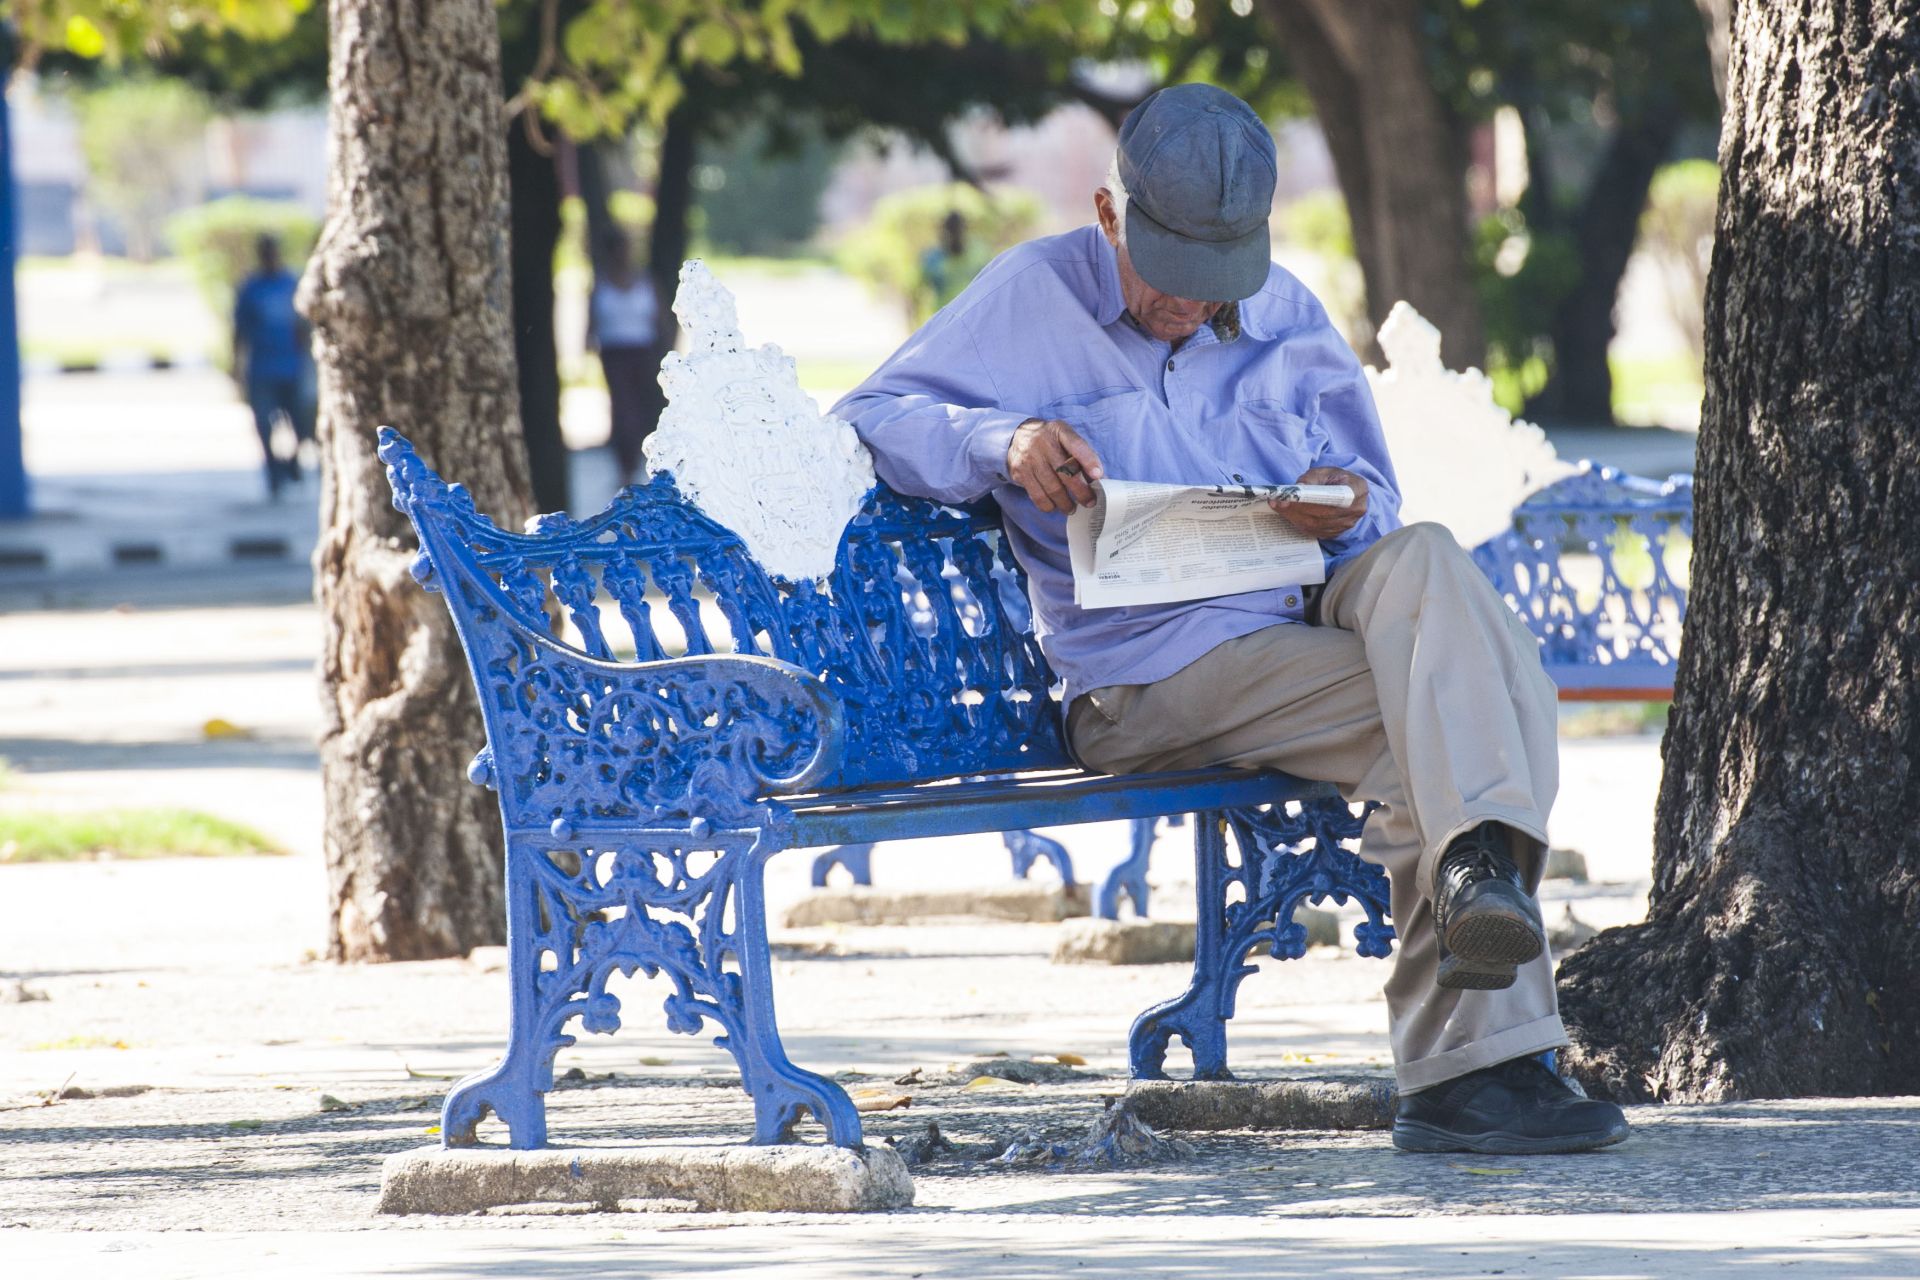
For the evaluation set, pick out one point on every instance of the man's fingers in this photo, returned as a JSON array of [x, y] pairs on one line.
[[1052, 495], [1081, 452]]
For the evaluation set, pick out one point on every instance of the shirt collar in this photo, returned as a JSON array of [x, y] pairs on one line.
[[1111, 304]]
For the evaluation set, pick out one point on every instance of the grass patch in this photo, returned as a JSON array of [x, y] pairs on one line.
[[1657, 392], [1613, 719], [43, 836], [7, 778]]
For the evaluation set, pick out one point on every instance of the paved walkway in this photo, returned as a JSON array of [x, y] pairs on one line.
[[184, 1006]]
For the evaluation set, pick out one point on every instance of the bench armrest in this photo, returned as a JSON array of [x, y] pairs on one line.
[[575, 740]]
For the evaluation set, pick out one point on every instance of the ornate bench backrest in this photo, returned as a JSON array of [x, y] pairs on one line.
[[922, 630], [1595, 565]]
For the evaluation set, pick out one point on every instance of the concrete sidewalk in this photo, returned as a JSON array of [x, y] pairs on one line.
[[163, 1101]]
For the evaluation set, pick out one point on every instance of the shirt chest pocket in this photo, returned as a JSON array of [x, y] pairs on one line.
[[1277, 443], [1137, 438]]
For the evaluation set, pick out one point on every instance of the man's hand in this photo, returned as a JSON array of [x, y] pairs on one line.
[[1326, 522], [1053, 464]]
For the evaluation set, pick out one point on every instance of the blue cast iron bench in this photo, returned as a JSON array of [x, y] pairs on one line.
[[1588, 564], [903, 696]]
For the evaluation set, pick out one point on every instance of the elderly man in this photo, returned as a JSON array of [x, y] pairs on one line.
[[1164, 345]]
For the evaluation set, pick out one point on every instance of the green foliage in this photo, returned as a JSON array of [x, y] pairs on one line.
[[217, 240], [1318, 223], [1677, 229], [1522, 275], [888, 252], [58, 836], [114, 30], [631, 211], [761, 198], [141, 137]]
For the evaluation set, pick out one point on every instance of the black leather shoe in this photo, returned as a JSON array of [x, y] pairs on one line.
[[1489, 925], [1515, 1108]]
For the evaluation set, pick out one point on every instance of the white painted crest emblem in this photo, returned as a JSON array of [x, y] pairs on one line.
[[747, 446], [1461, 459]]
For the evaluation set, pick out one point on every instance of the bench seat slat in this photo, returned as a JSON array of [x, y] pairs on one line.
[[1023, 801]]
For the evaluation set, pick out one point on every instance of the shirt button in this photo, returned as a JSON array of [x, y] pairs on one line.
[[1169, 366], [1292, 601]]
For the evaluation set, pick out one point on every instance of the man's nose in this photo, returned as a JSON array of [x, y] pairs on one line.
[[1190, 309]]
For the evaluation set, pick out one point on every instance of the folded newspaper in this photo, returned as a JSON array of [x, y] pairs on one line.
[[1159, 543]]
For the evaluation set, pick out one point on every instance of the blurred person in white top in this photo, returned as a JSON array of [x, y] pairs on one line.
[[623, 325]]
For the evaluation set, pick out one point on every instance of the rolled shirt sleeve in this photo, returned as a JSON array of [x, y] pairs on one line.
[[934, 417]]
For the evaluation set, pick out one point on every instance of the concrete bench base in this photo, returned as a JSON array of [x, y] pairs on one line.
[[1020, 902], [1356, 1101], [1096, 941], [709, 1179]]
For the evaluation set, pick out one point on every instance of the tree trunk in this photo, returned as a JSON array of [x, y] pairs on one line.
[[534, 189], [1716, 16], [1396, 155], [671, 234], [410, 298], [1781, 954], [1604, 231]]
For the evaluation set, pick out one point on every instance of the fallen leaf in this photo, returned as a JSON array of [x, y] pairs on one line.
[[248, 1125], [431, 1129], [982, 1083], [219, 728], [330, 1103], [656, 1062], [1484, 1171], [867, 1100], [422, 1075], [1069, 1059]]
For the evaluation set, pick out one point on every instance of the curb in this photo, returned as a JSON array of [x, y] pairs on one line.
[[810, 1179]]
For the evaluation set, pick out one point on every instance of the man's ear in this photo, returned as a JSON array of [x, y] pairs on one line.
[[1109, 217]]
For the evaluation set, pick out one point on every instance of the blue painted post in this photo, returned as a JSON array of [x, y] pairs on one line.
[[13, 469]]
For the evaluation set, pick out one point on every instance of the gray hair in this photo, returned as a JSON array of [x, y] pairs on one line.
[[1117, 190]]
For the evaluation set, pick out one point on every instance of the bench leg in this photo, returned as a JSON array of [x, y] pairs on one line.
[[1199, 1015], [1028, 847], [856, 858], [1288, 854], [653, 902], [1130, 876]]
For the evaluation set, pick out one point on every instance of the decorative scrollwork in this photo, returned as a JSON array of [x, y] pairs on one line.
[[921, 633], [660, 903], [1590, 567], [1288, 854]]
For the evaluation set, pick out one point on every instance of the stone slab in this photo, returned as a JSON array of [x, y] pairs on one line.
[[1097, 941], [1019, 902], [439, 1180], [1355, 1101], [1565, 864]]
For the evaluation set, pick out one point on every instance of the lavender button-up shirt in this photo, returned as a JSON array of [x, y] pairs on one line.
[[1043, 333]]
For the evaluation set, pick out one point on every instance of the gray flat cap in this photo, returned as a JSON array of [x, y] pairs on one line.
[[1199, 167]]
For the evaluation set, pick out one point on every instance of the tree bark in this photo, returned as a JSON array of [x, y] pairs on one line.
[[533, 185], [409, 293], [1604, 232], [1396, 155], [1782, 948]]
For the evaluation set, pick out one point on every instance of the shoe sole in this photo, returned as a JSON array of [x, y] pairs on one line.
[[1486, 944], [1411, 1135]]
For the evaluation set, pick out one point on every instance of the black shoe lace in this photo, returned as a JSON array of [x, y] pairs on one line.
[[1478, 855]]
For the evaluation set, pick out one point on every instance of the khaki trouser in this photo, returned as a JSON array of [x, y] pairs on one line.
[[1421, 692]]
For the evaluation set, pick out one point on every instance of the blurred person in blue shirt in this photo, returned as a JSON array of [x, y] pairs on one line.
[[272, 359], [1162, 344]]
